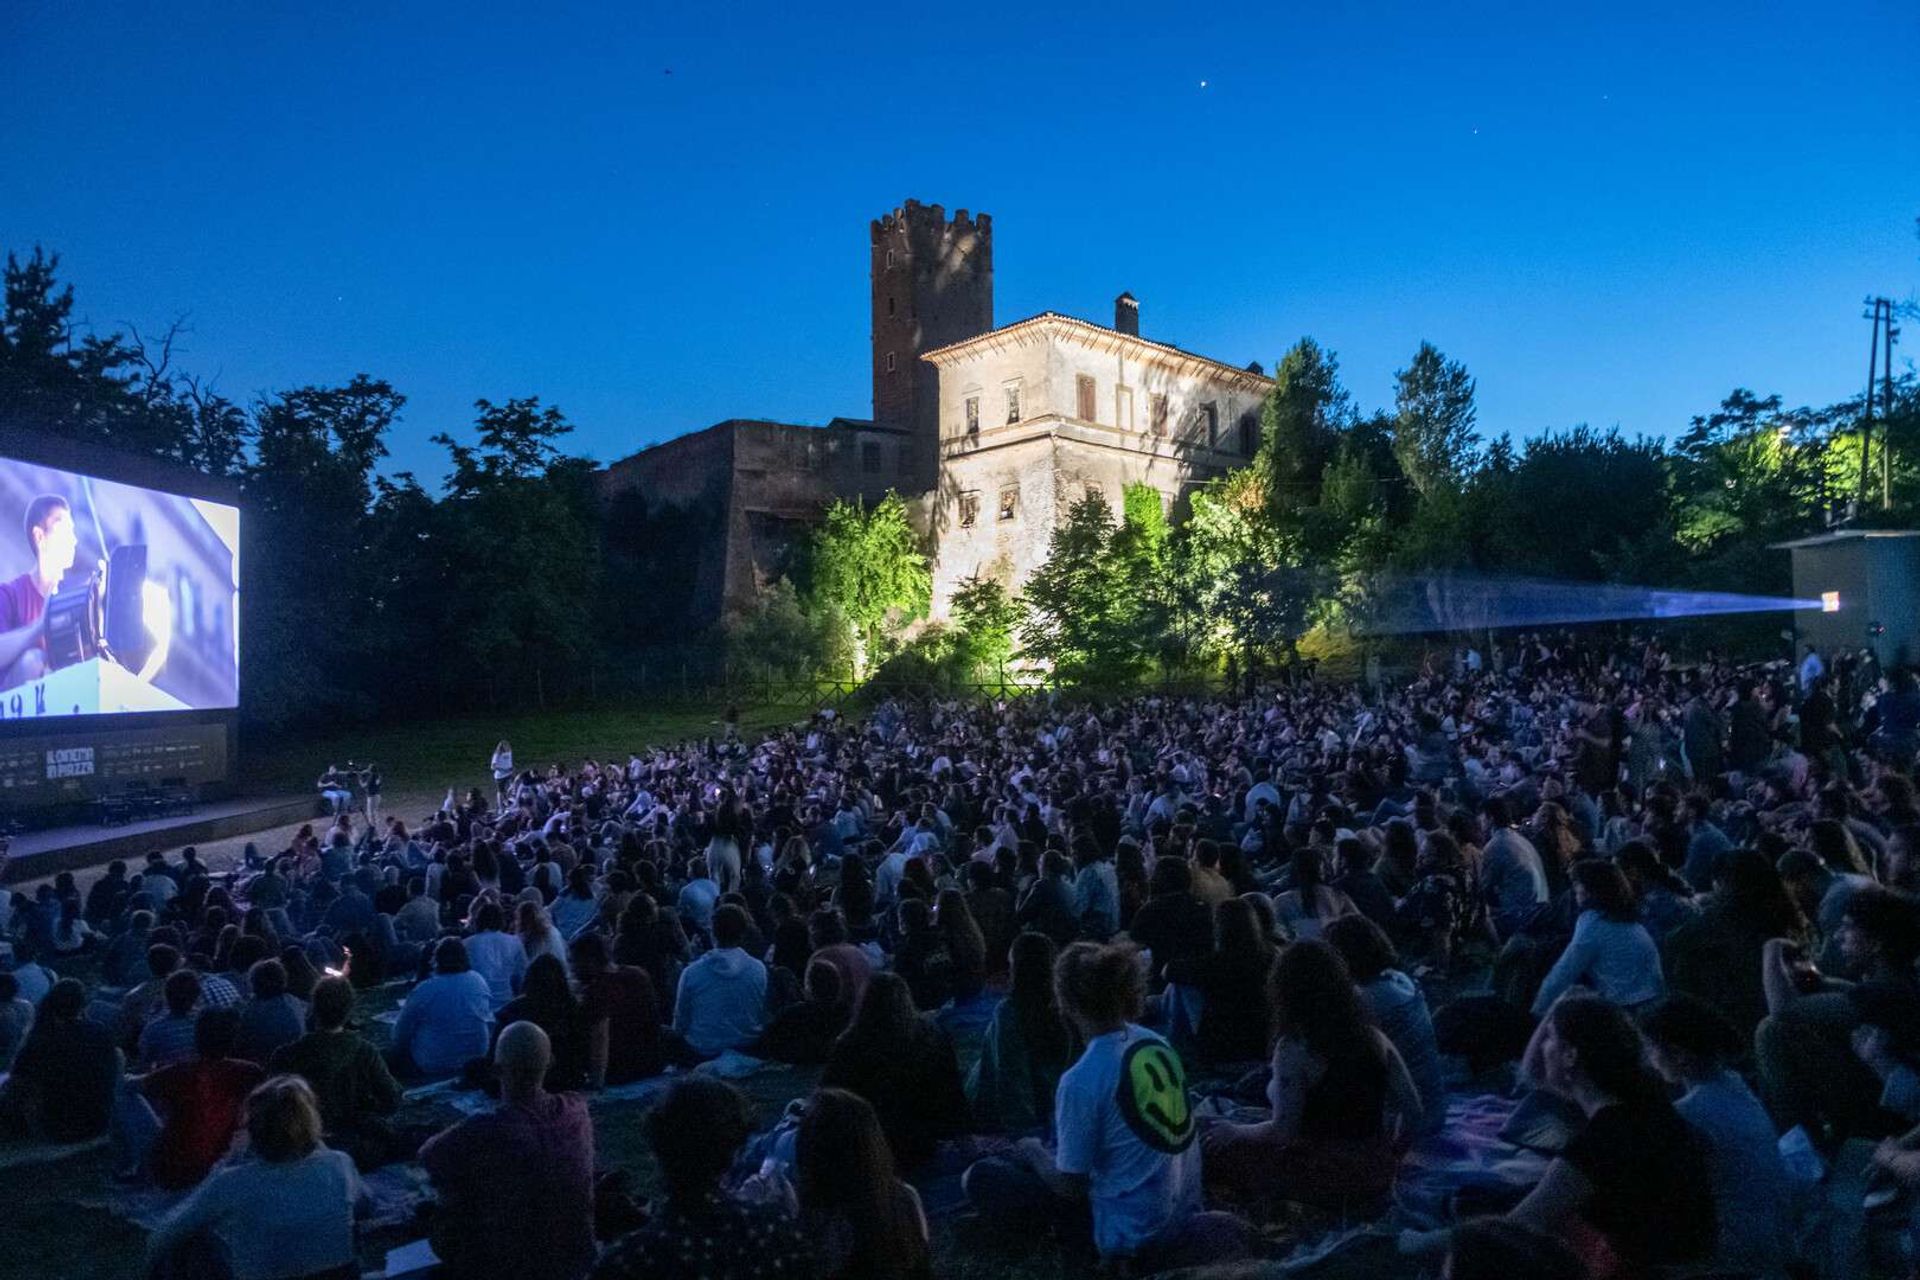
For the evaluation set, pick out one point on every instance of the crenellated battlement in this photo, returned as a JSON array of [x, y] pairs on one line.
[[929, 222]]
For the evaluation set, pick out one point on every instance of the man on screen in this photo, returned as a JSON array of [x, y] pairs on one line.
[[23, 601]]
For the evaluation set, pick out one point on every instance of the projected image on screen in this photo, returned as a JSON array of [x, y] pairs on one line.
[[114, 598]]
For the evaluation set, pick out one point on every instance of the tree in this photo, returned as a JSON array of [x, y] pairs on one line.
[[522, 524], [1079, 613], [1300, 427], [1433, 435], [985, 616], [117, 391], [869, 566], [310, 576], [1237, 587]]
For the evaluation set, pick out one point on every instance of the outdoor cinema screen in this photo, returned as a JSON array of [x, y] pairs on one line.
[[114, 598]]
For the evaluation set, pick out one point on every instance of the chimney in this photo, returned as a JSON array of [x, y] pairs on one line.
[[1126, 314]]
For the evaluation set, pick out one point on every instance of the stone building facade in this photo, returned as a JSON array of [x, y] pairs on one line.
[[1035, 415], [990, 433]]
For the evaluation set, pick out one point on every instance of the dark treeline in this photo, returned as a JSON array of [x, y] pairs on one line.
[[493, 585]]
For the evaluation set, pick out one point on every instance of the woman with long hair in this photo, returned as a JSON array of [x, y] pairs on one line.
[[1717, 957], [535, 930], [1304, 910], [965, 943], [903, 1064], [1666, 899], [1336, 1081], [1633, 1190], [546, 999], [1236, 1016], [1026, 1047], [1611, 951], [864, 1221]]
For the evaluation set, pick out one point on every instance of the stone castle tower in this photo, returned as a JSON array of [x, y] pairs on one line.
[[932, 286]]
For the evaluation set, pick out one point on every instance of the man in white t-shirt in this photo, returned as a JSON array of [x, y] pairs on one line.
[[1125, 1135]]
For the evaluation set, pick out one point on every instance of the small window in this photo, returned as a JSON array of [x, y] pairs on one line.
[[1013, 402], [969, 509], [1084, 386], [1211, 412], [889, 306], [973, 417], [1249, 433], [889, 362], [1157, 412], [870, 457], [889, 259], [1123, 408], [1009, 503]]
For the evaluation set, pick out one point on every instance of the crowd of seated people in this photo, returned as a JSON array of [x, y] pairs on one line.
[[1222, 957]]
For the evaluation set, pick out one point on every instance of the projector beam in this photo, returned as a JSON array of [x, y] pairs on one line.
[[1413, 605]]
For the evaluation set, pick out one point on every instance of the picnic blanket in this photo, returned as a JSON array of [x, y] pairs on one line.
[[395, 1192], [1467, 1164]]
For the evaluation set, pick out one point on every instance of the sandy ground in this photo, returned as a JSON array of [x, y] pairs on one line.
[[222, 855]]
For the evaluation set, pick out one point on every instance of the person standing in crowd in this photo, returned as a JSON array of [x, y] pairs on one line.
[[501, 766]]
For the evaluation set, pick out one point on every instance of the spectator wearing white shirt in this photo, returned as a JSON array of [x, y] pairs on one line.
[[496, 955]]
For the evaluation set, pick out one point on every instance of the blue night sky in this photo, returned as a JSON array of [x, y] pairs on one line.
[[655, 216]]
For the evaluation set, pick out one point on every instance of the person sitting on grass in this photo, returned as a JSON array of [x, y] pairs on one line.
[[355, 1090], [622, 1014], [866, 1222], [804, 1032], [548, 1002], [1694, 1047], [1125, 1176], [1340, 1098], [515, 1185], [1027, 1045], [64, 1078], [445, 1022], [273, 1019], [697, 1231], [177, 1122], [721, 1003], [903, 1063], [286, 1211]]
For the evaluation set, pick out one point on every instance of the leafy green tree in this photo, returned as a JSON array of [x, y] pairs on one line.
[[1079, 613], [1433, 420], [522, 522], [1300, 427], [310, 576], [869, 566], [116, 391], [985, 617]]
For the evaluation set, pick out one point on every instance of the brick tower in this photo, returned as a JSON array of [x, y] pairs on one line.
[[932, 285]]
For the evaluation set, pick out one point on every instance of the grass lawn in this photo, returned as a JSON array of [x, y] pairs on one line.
[[430, 755]]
